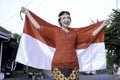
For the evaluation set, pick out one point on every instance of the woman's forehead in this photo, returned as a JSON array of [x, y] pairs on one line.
[[64, 15]]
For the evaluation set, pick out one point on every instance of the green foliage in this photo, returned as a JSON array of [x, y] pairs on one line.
[[112, 39], [17, 37], [14, 40]]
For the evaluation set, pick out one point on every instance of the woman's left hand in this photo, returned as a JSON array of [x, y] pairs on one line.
[[106, 22]]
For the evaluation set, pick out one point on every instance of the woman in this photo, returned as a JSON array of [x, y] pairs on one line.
[[65, 62]]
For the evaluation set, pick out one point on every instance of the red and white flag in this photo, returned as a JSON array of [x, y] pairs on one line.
[[37, 51]]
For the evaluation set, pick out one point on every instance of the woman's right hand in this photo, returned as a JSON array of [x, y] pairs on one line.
[[24, 10]]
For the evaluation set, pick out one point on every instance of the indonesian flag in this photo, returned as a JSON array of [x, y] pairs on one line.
[[37, 51]]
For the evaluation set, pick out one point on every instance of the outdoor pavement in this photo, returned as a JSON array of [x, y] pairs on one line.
[[82, 77], [99, 77]]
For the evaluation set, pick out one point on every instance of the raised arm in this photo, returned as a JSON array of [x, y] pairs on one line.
[[34, 22], [105, 23]]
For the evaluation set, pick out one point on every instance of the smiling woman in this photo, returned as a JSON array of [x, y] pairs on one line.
[[64, 61]]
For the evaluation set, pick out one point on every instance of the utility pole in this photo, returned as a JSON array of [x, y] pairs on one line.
[[117, 1]]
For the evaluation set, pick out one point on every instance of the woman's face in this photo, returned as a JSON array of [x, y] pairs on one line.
[[65, 20]]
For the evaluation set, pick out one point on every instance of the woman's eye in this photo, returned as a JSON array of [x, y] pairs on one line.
[[68, 17], [63, 17]]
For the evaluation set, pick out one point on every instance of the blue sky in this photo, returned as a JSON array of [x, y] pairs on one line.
[[82, 11]]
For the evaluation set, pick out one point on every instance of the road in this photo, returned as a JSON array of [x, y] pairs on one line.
[[83, 77], [99, 77]]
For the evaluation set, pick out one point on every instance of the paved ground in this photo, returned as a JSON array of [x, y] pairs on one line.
[[99, 77], [47, 76], [82, 77]]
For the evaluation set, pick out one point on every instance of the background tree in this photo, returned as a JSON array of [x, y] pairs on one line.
[[112, 39]]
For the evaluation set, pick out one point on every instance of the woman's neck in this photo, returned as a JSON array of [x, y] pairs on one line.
[[66, 29]]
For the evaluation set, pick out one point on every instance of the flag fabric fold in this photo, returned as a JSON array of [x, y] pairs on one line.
[[36, 50]]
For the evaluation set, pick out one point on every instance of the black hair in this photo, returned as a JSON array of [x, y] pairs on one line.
[[61, 13]]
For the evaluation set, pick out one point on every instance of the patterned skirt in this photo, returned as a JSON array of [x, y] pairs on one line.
[[65, 74]]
